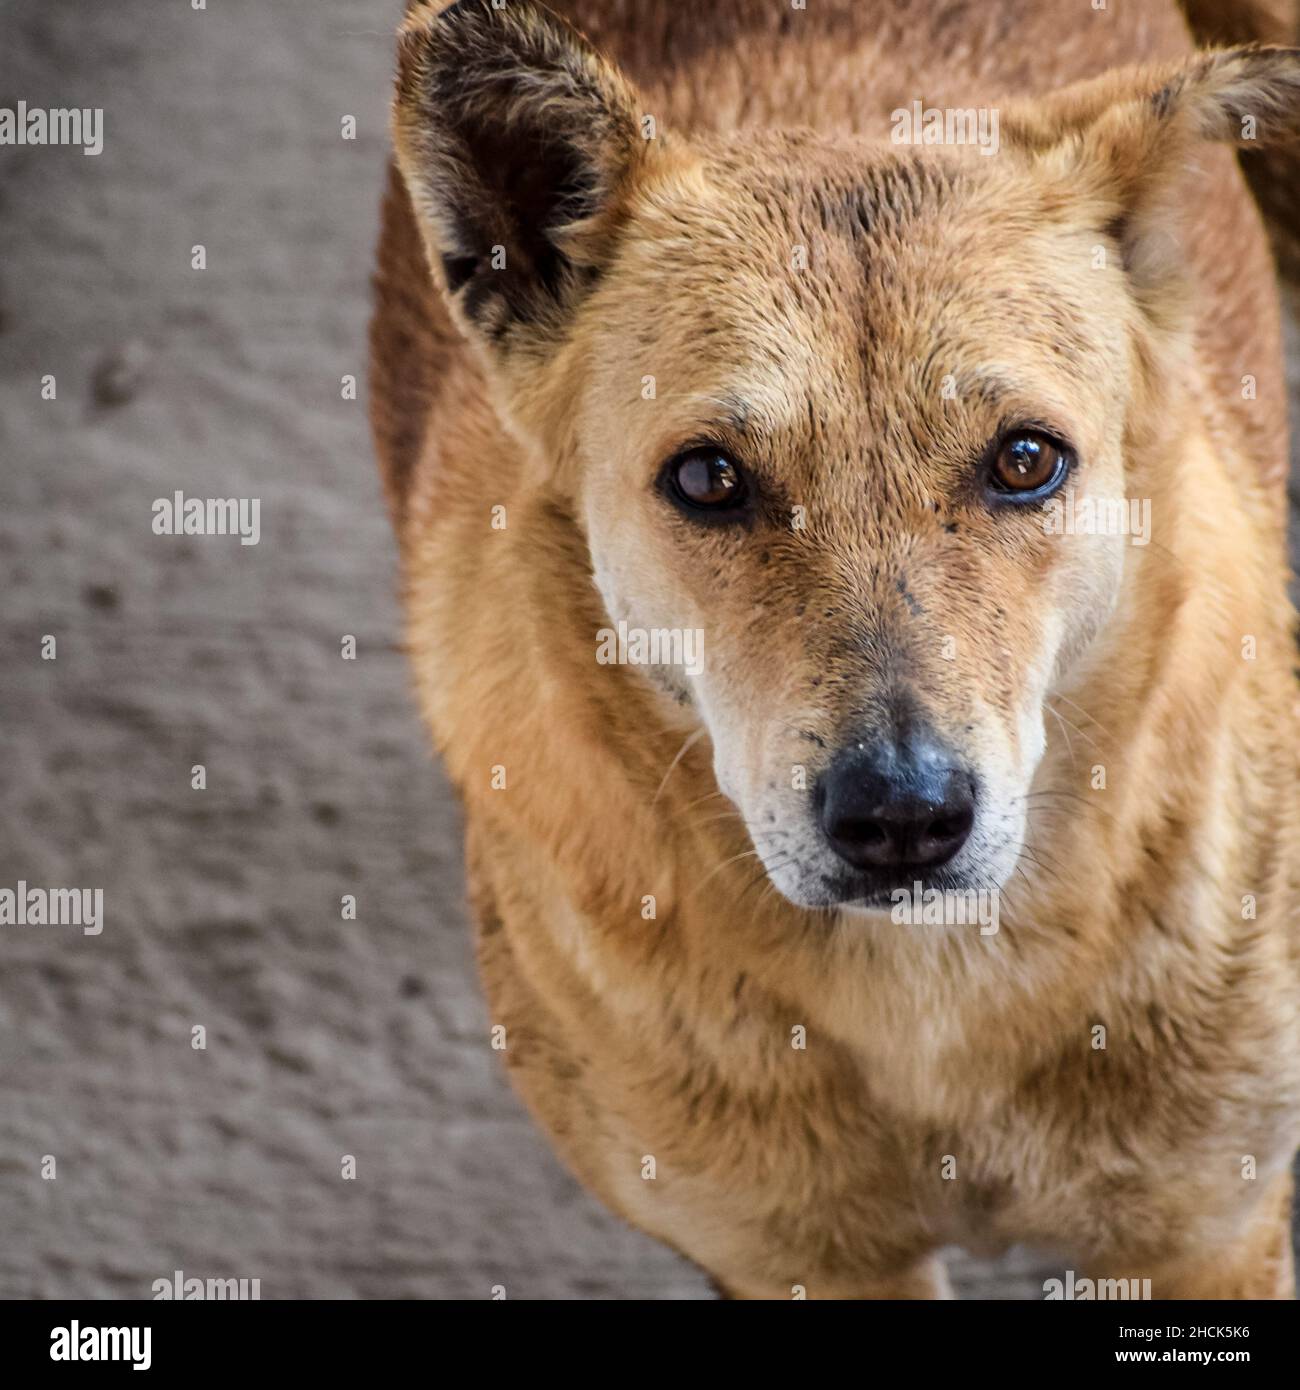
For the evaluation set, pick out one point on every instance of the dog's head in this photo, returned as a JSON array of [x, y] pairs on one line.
[[813, 400]]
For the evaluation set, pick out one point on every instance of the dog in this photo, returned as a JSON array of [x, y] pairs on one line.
[[838, 458]]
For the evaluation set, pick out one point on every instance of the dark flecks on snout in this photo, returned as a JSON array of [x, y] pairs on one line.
[[896, 804]]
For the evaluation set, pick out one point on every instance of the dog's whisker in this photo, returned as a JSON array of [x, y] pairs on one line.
[[691, 740], [1039, 850], [1087, 803], [1071, 724], [1028, 852], [733, 816], [726, 863], [1092, 719], [1065, 730]]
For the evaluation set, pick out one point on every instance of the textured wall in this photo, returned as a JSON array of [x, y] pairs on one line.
[[324, 1037]]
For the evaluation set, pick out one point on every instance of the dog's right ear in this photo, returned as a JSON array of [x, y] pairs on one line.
[[1122, 142], [518, 143]]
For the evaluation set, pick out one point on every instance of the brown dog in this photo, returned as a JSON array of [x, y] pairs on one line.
[[839, 482]]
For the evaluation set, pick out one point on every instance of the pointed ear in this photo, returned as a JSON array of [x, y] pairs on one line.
[[1246, 96], [1123, 140], [518, 143]]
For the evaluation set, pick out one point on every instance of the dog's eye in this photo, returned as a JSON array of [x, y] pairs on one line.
[[706, 480], [1027, 462]]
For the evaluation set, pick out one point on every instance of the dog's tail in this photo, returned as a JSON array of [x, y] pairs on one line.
[[1274, 174]]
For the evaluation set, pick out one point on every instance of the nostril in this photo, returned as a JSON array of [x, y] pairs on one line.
[[949, 827], [860, 832]]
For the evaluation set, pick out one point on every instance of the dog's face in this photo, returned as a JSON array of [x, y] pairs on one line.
[[870, 374], [814, 404]]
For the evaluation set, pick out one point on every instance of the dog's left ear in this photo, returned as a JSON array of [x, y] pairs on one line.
[[1122, 140], [518, 143]]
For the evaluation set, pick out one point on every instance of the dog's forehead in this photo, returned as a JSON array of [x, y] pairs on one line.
[[852, 281], [823, 226], [860, 197]]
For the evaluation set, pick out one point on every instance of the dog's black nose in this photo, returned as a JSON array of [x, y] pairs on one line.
[[896, 805]]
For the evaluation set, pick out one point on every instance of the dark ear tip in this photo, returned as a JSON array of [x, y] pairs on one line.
[[429, 19], [432, 37], [426, 12], [424, 32], [468, 12], [427, 22]]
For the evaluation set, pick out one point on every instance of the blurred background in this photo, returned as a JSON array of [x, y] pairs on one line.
[[224, 127]]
